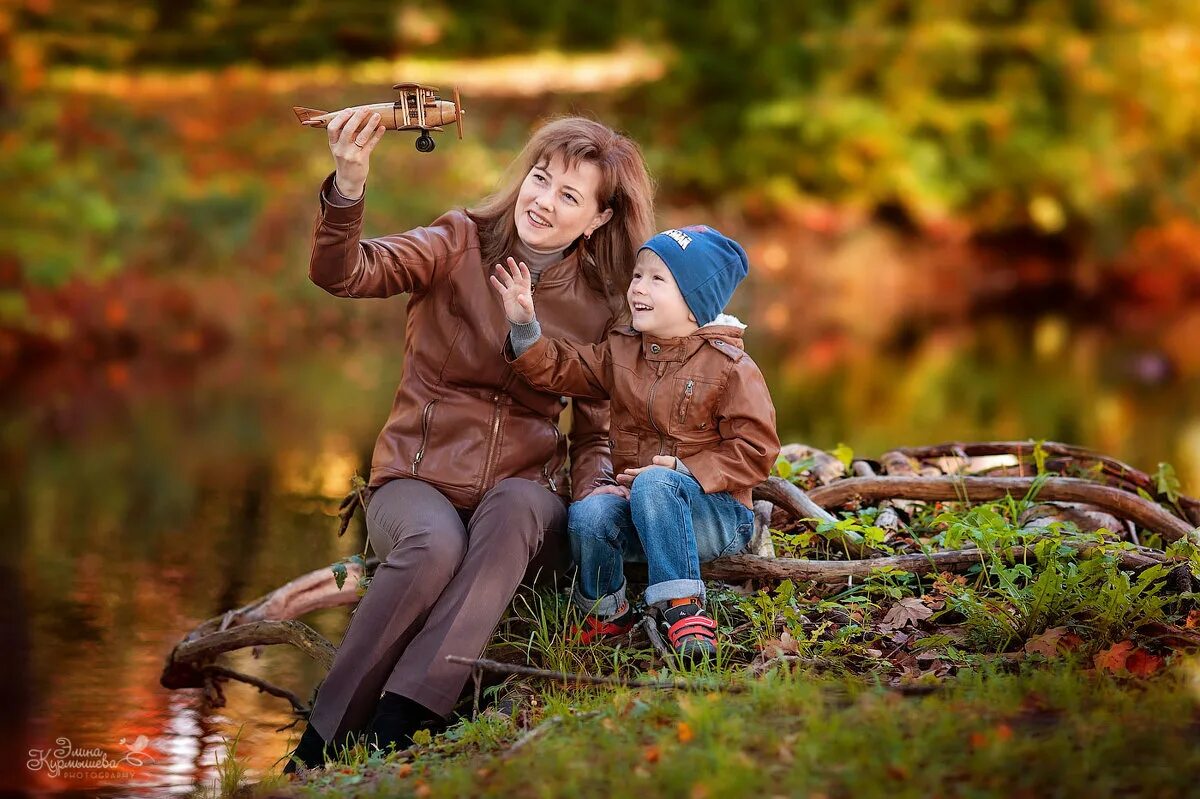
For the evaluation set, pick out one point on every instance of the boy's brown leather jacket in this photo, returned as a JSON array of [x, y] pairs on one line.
[[700, 398], [461, 419]]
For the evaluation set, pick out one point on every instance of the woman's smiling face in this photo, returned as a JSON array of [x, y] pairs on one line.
[[557, 203]]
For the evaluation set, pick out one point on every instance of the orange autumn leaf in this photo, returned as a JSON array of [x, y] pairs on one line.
[[684, 731], [1070, 642], [404, 770], [422, 790], [1046, 644], [651, 754], [1113, 659], [1193, 619], [1142, 664], [1003, 732], [978, 740]]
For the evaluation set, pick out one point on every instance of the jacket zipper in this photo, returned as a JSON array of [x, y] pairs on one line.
[[687, 394], [487, 464], [547, 468], [424, 434], [662, 368]]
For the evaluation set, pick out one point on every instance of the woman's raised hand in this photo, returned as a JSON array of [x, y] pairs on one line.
[[353, 134], [515, 288]]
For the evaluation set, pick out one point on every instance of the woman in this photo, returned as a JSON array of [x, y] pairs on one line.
[[464, 477]]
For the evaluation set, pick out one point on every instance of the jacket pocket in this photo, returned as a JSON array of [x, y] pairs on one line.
[[694, 405], [622, 442]]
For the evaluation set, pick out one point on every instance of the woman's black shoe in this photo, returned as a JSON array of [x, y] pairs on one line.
[[310, 752], [396, 719]]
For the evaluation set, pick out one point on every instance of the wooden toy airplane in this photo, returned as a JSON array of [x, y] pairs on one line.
[[418, 108]]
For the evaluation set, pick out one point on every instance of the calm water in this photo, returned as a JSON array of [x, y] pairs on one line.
[[141, 499]]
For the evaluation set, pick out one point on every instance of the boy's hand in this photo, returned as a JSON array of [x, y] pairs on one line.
[[515, 288], [625, 478], [618, 490]]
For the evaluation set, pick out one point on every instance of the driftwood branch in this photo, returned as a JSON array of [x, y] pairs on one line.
[[316, 590], [185, 665], [869, 490], [800, 505], [220, 672], [735, 568], [1062, 454]]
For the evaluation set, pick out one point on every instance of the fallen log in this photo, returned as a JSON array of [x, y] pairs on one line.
[[315, 590], [869, 490], [737, 568], [185, 663], [1064, 454]]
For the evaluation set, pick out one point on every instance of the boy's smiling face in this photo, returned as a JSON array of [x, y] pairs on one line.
[[654, 298]]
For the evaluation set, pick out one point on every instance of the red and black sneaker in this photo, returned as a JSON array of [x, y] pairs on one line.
[[684, 629], [595, 628]]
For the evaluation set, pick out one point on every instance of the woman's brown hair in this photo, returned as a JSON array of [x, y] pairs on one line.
[[607, 258]]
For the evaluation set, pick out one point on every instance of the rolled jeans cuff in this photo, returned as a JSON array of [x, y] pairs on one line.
[[674, 589], [605, 607]]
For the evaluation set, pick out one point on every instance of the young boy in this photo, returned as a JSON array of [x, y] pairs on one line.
[[692, 432]]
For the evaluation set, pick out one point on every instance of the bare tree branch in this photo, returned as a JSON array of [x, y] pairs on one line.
[[734, 568], [262, 685], [869, 490]]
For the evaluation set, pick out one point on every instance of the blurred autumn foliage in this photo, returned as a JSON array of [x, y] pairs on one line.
[[984, 120]]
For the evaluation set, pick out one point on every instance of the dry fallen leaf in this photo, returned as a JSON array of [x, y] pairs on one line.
[[1113, 659], [1047, 643], [1193, 619], [1142, 664], [651, 754], [783, 645], [909, 610], [684, 731]]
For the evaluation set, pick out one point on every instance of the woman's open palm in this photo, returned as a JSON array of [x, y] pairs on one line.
[[515, 287]]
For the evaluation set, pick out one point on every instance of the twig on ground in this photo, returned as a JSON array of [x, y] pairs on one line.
[[589, 679]]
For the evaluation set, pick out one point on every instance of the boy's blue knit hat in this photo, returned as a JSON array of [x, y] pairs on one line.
[[707, 266]]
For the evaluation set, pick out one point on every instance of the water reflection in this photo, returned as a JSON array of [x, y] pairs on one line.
[[144, 505]]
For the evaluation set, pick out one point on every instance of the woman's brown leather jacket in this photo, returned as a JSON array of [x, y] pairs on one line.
[[461, 419]]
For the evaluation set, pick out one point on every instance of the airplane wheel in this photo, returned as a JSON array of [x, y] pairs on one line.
[[425, 144]]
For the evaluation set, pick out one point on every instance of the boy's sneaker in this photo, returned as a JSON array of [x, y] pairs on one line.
[[684, 629], [595, 628]]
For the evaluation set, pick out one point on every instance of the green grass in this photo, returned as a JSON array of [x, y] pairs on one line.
[[1042, 732]]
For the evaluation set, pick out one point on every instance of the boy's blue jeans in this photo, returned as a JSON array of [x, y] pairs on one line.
[[669, 522]]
